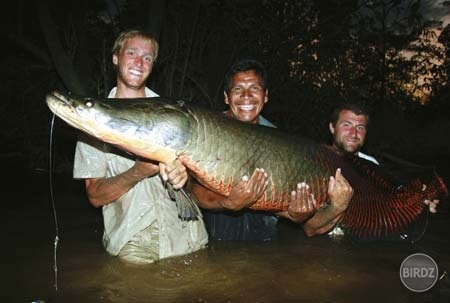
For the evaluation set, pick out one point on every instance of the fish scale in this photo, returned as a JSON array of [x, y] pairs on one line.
[[243, 151], [218, 151]]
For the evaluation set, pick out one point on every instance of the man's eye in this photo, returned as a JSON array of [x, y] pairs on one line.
[[361, 128]]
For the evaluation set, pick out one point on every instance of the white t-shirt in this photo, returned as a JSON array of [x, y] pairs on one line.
[[146, 203], [367, 157]]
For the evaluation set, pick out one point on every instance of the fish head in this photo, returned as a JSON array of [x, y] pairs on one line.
[[153, 128]]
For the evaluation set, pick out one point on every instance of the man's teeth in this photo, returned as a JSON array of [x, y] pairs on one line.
[[246, 107], [135, 72]]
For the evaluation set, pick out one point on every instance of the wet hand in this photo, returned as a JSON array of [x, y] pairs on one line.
[[432, 205], [174, 172], [247, 191], [340, 191], [302, 204]]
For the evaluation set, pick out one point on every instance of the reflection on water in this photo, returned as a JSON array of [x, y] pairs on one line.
[[291, 269]]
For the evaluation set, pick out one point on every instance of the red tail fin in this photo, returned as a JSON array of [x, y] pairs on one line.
[[380, 208]]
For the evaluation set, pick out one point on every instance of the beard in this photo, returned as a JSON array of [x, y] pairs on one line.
[[345, 149]]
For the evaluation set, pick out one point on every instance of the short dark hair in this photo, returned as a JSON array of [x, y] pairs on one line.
[[243, 66], [355, 107]]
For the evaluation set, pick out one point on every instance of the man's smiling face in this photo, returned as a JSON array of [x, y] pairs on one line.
[[247, 96]]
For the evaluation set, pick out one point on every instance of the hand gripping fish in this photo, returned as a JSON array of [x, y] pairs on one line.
[[218, 150]]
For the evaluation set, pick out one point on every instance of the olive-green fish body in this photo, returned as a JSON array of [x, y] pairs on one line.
[[218, 151]]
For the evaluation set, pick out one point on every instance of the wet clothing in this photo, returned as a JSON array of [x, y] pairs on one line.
[[143, 224], [243, 225]]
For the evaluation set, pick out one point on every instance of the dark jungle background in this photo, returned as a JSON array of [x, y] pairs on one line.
[[386, 53], [390, 54]]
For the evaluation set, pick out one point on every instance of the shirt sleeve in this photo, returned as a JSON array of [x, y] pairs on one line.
[[90, 159]]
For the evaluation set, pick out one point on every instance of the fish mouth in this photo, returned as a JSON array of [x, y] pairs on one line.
[[56, 101], [58, 95], [66, 109]]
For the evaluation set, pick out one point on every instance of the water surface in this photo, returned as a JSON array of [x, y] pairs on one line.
[[290, 269]]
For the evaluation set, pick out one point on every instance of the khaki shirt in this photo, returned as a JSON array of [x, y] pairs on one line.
[[146, 203]]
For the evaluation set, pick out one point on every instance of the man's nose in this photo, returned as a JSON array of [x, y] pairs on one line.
[[353, 131], [246, 93], [139, 60]]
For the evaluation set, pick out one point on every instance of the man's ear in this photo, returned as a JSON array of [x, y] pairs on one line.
[[266, 98], [331, 128], [225, 98], [115, 59]]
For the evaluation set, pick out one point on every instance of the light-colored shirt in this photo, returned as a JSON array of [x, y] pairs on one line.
[[367, 157], [263, 121], [147, 203]]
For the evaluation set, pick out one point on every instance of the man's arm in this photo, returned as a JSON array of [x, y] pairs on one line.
[[102, 191], [340, 193], [244, 194]]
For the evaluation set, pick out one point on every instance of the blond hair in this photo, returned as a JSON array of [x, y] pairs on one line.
[[128, 34]]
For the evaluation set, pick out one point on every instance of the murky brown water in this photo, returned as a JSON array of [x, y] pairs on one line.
[[291, 269]]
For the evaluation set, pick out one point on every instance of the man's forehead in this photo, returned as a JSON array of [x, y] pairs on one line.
[[138, 42], [347, 114], [244, 79]]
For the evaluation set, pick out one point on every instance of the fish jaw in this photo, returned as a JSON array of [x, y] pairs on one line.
[[98, 121]]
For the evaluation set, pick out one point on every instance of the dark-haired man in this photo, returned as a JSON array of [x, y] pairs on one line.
[[348, 127], [246, 93]]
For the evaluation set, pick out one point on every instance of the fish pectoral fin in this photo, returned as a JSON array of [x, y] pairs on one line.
[[187, 207], [170, 190]]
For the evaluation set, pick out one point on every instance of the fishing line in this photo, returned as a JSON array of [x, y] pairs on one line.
[[55, 243], [422, 226], [424, 229]]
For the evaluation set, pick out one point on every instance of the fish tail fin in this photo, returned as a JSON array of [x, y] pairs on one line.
[[437, 188], [399, 207]]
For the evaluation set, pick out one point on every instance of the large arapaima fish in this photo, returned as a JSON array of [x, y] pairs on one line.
[[218, 150]]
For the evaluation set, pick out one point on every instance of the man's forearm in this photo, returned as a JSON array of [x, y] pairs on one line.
[[102, 191], [210, 200], [296, 219], [322, 221]]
